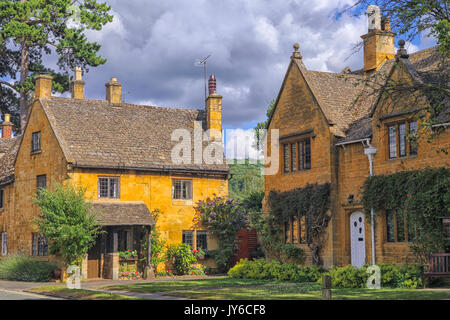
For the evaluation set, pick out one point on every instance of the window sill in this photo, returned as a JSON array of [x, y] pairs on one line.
[[176, 202], [402, 158], [35, 152], [296, 171]]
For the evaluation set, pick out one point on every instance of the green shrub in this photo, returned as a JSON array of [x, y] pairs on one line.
[[25, 268], [292, 253], [274, 270], [180, 257], [392, 275]]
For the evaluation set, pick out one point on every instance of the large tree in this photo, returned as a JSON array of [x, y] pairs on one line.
[[31, 29]]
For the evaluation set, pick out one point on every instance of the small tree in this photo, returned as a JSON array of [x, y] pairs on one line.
[[223, 218], [67, 221]]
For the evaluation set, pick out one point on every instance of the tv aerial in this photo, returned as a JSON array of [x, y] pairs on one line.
[[202, 63]]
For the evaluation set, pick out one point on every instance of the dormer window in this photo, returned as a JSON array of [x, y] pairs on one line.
[[398, 137]]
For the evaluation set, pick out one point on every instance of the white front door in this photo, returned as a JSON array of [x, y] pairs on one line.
[[357, 239]]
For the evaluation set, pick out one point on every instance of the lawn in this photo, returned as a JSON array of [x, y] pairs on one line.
[[175, 285], [79, 294], [225, 288]]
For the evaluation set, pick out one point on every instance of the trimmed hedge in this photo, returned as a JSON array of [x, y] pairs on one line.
[[25, 268], [274, 270], [394, 276]]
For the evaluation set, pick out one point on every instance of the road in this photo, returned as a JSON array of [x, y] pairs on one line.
[[20, 295]]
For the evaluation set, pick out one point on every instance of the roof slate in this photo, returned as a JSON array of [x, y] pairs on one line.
[[120, 213], [8, 151], [94, 133]]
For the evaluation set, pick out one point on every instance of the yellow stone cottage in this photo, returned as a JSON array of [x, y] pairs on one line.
[[123, 154]]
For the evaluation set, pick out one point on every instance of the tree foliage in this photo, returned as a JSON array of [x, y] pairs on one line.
[[247, 178], [30, 29], [223, 218], [260, 127], [67, 221]]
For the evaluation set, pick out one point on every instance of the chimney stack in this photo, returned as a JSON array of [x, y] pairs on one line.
[[114, 91], [7, 127], [43, 87], [214, 111], [378, 42], [77, 85]]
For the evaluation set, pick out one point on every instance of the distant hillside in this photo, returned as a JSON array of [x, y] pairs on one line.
[[246, 178]]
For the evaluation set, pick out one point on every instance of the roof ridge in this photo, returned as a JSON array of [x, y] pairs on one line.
[[123, 104]]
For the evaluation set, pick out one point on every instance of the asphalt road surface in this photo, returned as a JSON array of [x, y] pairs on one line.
[[19, 295]]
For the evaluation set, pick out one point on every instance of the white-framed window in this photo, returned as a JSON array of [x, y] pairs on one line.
[[181, 189], [109, 187], [4, 243]]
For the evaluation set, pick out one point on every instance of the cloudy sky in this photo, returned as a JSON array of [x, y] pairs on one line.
[[152, 45]]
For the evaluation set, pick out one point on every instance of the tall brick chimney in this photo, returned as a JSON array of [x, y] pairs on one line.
[[378, 42], [113, 91], [77, 85], [43, 86], [214, 111], [7, 127]]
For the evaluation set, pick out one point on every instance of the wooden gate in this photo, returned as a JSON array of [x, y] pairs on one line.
[[94, 261], [247, 242]]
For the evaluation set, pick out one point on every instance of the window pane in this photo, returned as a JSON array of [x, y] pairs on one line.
[[202, 240], [188, 238], [294, 156], [390, 236], [412, 133], [301, 154], [1, 198], [307, 154], [303, 230], [103, 187], [176, 189], [36, 141], [113, 187], [400, 226], [286, 157], [295, 229], [402, 137], [392, 142]]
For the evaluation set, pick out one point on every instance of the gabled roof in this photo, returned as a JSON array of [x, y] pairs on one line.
[[8, 151], [97, 134]]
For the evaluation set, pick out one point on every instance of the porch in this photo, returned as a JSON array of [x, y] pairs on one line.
[[127, 226]]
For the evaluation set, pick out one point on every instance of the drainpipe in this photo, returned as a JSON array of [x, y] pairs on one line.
[[370, 151]]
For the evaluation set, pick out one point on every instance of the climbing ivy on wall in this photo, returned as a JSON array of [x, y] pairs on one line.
[[312, 202], [423, 195]]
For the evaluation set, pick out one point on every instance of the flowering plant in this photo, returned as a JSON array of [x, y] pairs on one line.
[[130, 275], [198, 253], [197, 269], [223, 217]]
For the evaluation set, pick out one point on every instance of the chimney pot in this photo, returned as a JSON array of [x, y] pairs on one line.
[[7, 126], [212, 84]]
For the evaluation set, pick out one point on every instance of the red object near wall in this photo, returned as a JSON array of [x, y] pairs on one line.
[[247, 242]]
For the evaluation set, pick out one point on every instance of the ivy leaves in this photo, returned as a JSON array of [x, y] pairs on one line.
[[423, 195]]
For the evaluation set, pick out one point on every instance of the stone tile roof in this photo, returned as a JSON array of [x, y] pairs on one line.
[[94, 133], [347, 100], [121, 213], [8, 151]]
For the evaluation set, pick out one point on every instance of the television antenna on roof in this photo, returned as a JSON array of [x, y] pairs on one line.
[[202, 63]]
